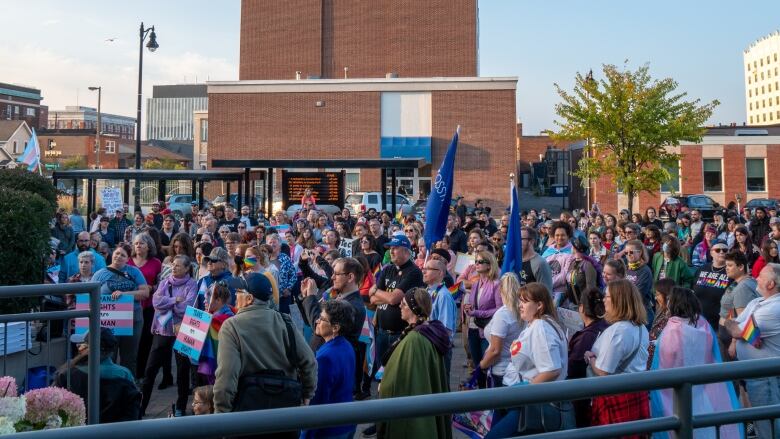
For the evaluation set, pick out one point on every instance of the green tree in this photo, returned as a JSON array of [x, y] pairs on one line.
[[75, 162], [629, 120], [163, 163]]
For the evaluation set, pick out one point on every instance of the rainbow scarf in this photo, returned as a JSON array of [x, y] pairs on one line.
[[751, 333], [208, 356]]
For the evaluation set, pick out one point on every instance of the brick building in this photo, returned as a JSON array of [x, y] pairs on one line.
[[18, 102], [411, 80], [59, 146], [728, 161]]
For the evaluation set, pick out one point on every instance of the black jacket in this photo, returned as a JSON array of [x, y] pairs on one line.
[[311, 305], [120, 399]]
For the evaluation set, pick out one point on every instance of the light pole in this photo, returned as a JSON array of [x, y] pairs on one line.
[[152, 46], [98, 129]]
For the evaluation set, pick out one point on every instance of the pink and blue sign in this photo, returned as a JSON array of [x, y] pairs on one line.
[[192, 333], [116, 315]]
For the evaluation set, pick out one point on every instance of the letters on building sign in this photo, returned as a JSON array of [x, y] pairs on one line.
[[52, 153]]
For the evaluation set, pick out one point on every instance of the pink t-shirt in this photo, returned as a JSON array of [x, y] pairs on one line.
[[150, 270]]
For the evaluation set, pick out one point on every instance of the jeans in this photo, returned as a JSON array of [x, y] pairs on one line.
[[161, 350], [128, 345], [764, 391], [383, 340], [145, 346]]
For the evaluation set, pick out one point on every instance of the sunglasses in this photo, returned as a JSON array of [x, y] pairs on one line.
[[482, 261], [720, 250]]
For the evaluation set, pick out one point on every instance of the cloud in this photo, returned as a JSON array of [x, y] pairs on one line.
[[63, 79], [50, 22]]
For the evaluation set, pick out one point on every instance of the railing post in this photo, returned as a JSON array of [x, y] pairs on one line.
[[93, 385], [683, 410]]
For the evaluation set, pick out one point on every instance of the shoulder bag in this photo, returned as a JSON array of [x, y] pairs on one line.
[[481, 322], [270, 389]]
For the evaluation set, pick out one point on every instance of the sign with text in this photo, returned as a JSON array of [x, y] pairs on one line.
[[116, 315], [192, 333], [111, 199], [345, 247], [327, 187]]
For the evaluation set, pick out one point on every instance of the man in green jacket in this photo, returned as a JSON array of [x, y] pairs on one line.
[[255, 340]]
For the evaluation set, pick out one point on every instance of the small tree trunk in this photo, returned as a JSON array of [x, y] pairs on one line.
[[631, 194]]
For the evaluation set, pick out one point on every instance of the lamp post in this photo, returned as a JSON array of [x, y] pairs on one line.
[[152, 46], [98, 129]]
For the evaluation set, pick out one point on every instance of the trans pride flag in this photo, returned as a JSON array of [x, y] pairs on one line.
[[32, 154]]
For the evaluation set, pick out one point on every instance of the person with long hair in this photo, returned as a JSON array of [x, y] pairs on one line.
[[220, 310], [640, 273], [608, 240], [560, 254], [368, 250], [306, 238], [256, 260], [181, 244], [663, 289], [591, 311], [538, 355], [202, 249], [688, 341], [621, 348], [744, 244], [668, 264], [414, 365], [598, 251], [701, 252], [120, 278], [505, 326], [175, 293], [613, 269], [769, 254], [203, 400], [583, 274], [144, 257], [652, 240], [483, 301]]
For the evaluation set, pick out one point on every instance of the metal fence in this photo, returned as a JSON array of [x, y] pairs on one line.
[[682, 423], [93, 314]]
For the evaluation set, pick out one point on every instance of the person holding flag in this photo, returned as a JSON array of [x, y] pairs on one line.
[[444, 308], [32, 154], [756, 334], [437, 210]]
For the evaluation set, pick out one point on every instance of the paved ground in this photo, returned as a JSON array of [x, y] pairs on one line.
[[160, 404]]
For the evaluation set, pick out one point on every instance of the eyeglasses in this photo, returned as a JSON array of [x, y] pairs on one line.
[[340, 274], [634, 252], [482, 261], [431, 269], [720, 250], [196, 402], [321, 320], [230, 243], [242, 227], [409, 230]]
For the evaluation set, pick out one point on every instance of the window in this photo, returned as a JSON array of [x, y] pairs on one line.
[[751, 105], [16, 109], [110, 146], [756, 178], [750, 93], [751, 119], [16, 148], [748, 67], [30, 111], [204, 130], [673, 184], [713, 181]]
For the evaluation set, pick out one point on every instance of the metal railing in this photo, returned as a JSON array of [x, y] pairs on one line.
[[681, 380], [93, 314]]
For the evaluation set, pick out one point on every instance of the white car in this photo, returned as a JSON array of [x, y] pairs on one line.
[[363, 201], [327, 208]]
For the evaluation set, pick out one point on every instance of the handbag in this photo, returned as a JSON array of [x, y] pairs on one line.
[[481, 322], [270, 389]]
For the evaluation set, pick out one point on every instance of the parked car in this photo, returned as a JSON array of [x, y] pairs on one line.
[[180, 204], [363, 201], [327, 208], [220, 200], [420, 206], [704, 204], [767, 203]]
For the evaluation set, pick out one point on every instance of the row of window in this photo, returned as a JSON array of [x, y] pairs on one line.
[[110, 146], [15, 109], [760, 62], [763, 117], [89, 124], [712, 173], [764, 89], [754, 77]]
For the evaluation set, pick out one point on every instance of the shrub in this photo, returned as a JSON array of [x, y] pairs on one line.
[[24, 180]]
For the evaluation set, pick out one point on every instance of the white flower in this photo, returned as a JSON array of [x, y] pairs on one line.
[[6, 426], [13, 408]]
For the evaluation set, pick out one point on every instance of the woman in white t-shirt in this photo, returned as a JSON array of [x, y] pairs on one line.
[[621, 348], [503, 329], [537, 356]]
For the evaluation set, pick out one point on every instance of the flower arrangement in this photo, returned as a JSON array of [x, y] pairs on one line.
[[38, 409]]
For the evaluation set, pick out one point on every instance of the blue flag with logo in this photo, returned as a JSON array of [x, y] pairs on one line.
[[513, 257], [438, 208]]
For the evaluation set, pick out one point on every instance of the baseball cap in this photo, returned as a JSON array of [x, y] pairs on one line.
[[218, 254], [719, 242], [258, 285], [193, 203], [443, 253], [399, 241], [104, 218], [108, 341]]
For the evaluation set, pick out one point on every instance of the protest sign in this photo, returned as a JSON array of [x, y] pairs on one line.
[[462, 262], [345, 247], [571, 320], [115, 314], [192, 333], [111, 199]]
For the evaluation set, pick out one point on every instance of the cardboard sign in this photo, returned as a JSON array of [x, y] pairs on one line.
[[571, 321], [462, 261], [192, 333], [282, 230], [345, 247], [111, 199], [116, 315]]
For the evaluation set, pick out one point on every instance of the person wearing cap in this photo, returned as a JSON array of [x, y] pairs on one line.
[[217, 263], [120, 399], [711, 281], [106, 234], [118, 224], [395, 280], [256, 340], [414, 365], [701, 253], [156, 216]]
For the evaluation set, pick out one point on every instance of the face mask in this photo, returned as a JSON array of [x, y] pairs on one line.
[[665, 248], [238, 260]]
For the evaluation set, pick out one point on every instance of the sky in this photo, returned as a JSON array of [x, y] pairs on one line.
[[62, 48]]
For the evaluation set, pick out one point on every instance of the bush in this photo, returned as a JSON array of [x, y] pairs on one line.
[[25, 233], [24, 180]]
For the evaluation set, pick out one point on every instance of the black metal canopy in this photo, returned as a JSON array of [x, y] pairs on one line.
[[393, 163], [149, 174]]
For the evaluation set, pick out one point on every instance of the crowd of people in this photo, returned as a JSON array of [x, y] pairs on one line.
[[326, 305]]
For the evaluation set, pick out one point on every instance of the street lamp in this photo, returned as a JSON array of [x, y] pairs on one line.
[[152, 46], [98, 129]]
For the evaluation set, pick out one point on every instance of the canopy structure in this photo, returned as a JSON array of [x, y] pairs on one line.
[[387, 164]]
